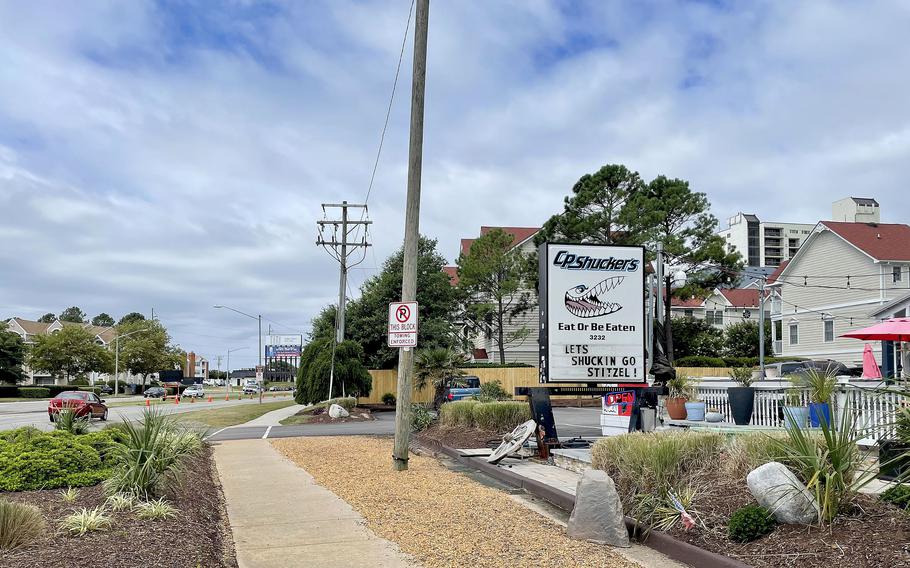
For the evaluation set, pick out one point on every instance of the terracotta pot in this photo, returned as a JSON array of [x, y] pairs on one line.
[[676, 408]]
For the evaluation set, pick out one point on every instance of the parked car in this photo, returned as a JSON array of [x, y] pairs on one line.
[[467, 387], [83, 403], [250, 389], [106, 389], [194, 391], [154, 392]]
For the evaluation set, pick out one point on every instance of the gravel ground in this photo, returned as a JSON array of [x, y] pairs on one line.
[[440, 517]]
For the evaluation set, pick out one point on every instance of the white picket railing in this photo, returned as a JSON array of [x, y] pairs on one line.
[[875, 406]]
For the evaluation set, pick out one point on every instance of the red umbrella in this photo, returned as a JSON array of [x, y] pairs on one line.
[[870, 365], [894, 329]]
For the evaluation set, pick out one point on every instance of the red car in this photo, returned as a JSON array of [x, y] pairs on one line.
[[85, 404]]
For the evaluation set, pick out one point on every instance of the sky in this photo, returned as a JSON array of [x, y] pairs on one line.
[[173, 155]]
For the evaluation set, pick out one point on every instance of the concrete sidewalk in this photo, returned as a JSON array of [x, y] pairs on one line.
[[281, 518], [274, 417]]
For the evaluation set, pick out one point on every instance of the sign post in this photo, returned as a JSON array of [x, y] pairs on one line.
[[403, 324]]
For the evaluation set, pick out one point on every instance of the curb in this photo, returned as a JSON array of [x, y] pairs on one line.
[[677, 550]]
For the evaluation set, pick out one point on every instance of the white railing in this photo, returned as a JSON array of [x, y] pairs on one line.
[[874, 405]]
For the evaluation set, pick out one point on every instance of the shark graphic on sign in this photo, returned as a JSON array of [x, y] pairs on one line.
[[593, 302]]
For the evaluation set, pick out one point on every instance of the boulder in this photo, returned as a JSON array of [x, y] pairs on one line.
[[778, 490], [338, 411], [597, 516]]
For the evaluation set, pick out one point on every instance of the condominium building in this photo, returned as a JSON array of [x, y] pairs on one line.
[[768, 243]]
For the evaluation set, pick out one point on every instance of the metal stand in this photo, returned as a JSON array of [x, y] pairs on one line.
[[542, 409]]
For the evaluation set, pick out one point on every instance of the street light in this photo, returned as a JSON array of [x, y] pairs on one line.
[[117, 357], [258, 318]]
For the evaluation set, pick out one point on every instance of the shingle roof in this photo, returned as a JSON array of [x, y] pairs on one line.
[[32, 327], [741, 297], [452, 271], [881, 241], [519, 234], [776, 274]]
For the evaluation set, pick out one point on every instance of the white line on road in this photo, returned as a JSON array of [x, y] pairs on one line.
[[267, 430]]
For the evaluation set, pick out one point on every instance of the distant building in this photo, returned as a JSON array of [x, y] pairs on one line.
[[196, 367], [484, 348], [846, 276], [768, 243], [721, 308]]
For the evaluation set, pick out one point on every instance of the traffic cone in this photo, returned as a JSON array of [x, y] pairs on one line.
[[227, 396], [210, 399], [176, 399], [147, 402], [192, 399]]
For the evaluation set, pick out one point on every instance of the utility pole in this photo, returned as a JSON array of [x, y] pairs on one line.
[[411, 233], [337, 245]]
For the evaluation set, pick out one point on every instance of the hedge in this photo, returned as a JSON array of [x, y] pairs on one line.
[[32, 460], [9, 391], [704, 361], [34, 392], [493, 365], [497, 417]]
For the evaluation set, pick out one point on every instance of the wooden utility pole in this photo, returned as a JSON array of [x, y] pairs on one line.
[[411, 234]]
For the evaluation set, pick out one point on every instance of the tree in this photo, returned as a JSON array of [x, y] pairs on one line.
[[103, 320], [692, 336], [73, 314], [669, 213], [217, 375], [131, 317], [367, 316], [12, 355], [148, 349], [48, 318], [69, 353], [351, 376], [438, 367], [596, 212], [741, 339], [495, 291]]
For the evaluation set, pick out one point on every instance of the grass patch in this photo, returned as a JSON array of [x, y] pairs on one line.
[[155, 510], [490, 416], [20, 524], [86, 521], [233, 415], [296, 419]]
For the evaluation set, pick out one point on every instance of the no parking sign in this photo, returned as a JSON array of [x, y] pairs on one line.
[[402, 324]]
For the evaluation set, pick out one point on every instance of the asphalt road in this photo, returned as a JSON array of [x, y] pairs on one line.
[[570, 423], [34, 413]]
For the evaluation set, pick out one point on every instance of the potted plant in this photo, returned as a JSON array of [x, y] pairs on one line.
[[695, 409], [795, 414], [821, 388], [681, 389], [742, 397], [894, 453]]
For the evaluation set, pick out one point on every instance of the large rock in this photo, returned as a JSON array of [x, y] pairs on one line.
[[597, 515], [338, 411], [778, 490]]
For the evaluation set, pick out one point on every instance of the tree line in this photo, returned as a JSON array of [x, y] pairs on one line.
[[73, 352]]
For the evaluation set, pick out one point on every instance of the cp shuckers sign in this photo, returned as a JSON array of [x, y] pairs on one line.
[[592, 314]]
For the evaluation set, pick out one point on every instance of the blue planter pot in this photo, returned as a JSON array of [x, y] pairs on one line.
[[796, 416], [695, 411], [819, 411]]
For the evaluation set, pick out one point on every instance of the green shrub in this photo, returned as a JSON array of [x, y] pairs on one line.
[[699, 361], [105, 443], [742, 376], [457, 414], [902, 424], [388, 398], [155, 510], [750, 523], [492, 391], [420, 417], [48, 461], [34, 392], [20, 524], [23, 434], [79, 382], [500, 416], [346, 403], [898, 495], [69, 495]]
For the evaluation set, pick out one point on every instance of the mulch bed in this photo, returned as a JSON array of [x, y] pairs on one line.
[[461, 438], [199, 535], [873, 534], [321, 416]]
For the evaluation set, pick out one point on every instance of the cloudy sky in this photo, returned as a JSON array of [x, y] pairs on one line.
[[174, 155]]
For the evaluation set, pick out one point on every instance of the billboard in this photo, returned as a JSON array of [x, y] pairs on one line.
[[592, 313], [283, 346]]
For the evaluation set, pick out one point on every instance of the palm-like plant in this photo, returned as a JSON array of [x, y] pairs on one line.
[[439, 367]]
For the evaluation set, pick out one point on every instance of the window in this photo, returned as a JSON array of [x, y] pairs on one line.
[[794, 334], [687, 313], [896, 274], [714, 317], [829, 331]]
